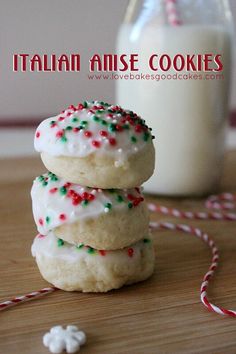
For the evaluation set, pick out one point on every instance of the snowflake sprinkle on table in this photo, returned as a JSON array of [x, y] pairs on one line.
[[59, 339]]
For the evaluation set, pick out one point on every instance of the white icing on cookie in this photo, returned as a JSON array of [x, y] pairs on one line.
[[93, 127], [56, 201], [51, 246]]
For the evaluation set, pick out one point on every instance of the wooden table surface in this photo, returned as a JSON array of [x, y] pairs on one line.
[[161, 315]]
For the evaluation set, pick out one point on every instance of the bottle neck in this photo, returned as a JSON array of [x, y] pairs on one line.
[[179, 12]]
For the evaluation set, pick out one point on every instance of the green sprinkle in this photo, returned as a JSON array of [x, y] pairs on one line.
[[146, 136], [85, 202], [130, 205], [63, 190], [133, 139], [104, 122], [91, 250], [119, 199], [60, 242], [69, 127], [44, 183], [125, 126], [108, 206], [54, 177], [96, 119], [63, 139], [146, 240], [52, 122], [74, 120], [112, 127], [85, 104], [47, 219], [131, 113], [40, 178], [81, 245]]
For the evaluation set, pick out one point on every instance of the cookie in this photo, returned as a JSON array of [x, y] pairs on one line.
[[86, 269], [97, 145], [103, 219]]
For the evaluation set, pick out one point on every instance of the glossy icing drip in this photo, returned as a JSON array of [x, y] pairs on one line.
[[56, 201], [93, 127]]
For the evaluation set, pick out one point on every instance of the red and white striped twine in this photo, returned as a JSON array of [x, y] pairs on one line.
[[223, 201], [23, 298], [172, 13], [220, 202]]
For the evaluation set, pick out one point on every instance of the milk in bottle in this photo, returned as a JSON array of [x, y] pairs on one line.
[[188, 115]]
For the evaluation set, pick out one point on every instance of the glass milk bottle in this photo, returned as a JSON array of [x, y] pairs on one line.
[[188, 113]]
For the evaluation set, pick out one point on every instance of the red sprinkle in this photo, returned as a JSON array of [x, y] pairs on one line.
[[71, 193], [62, 217], [130, 252], [76, 199], [91, 197], [59, 134], [102, 252], [138, 128], [67, 185], [41, 221], [80, 106], [103, 133], [85, 196], [37, 134], [136, 202], [119, 128], [130, 120], [98, 108], [96, 143], [130, 197], [61, 118], [75, 130], [53, 190], [112, 141], [88, 134]]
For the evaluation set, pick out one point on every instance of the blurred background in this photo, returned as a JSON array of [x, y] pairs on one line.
[[58, 26]]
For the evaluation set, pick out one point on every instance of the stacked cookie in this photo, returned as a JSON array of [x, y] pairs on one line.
[[93, 238]]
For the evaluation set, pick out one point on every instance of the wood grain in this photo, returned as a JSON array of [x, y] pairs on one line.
[[161, 315]]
